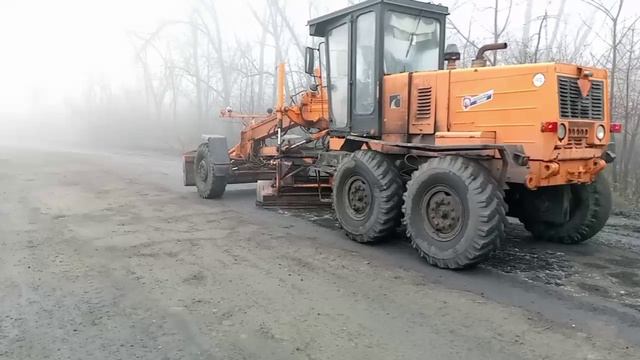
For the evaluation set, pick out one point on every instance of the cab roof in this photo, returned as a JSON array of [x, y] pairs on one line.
[[318, 26]]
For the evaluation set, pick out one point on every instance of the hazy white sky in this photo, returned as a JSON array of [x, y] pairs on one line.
[[48, 48]]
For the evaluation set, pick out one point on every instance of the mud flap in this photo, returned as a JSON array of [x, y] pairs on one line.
[[188, 168], [218, 154], [550, 204]]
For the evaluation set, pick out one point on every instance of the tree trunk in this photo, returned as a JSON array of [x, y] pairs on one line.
[[626, 156], [614, 68], [260, 100], [629, 155], [495, 30], [526, 32], [556, 28], [196, 71]]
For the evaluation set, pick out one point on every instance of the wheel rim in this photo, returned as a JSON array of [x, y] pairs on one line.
[[203, 171], [358, 197], [444, 213]]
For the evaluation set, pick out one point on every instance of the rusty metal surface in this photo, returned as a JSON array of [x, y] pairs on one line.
[[302, 196], [188, 168], [422, 109], [395, 106]]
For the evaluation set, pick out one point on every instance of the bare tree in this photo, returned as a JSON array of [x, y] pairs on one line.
[[613, 15], [526, 29], [498, 30], [629, 108], [556, 29], [536, 51]]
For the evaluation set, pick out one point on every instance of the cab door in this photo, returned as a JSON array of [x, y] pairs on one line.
[[339, 84], [365, 70], [354, 72]]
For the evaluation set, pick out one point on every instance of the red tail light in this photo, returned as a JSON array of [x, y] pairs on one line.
[[616, 128], [550, 126]]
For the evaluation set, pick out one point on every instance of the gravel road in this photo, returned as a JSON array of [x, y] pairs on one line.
[[106, 256]]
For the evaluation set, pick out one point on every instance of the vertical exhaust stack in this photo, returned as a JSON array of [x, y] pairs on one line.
[[280, 104], [480, 60], [451, 56]]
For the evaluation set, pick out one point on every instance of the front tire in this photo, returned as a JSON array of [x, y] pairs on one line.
[[454, 211], [367, 196], [208, 184], [589, 211]]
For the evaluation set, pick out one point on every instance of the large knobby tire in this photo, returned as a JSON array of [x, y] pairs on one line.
[[208, 184], [454, 211], [589, 211], [367, 196]]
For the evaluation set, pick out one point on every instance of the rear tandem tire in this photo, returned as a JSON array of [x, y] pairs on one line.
[[589, 212], [367, 196], [454, 211], [209, 186]]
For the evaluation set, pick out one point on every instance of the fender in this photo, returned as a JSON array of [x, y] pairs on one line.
[[218, 154]]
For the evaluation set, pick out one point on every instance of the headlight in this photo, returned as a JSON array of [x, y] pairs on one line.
[[600, 132], [562, 131]]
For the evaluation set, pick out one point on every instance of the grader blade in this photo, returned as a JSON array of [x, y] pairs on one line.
[[300, 196]]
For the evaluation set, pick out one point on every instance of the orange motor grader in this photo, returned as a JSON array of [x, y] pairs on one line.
[[392, 132]]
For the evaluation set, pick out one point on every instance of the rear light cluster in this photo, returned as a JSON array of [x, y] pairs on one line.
[[550, 126], [555, 127], [616, 128]]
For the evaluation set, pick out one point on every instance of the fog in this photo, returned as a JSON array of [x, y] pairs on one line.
[[153, 74], [70, 73]]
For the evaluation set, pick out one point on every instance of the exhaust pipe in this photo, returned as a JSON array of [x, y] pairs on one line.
[[481, 60]]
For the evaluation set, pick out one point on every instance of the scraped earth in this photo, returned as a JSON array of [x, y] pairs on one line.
[[606, 266], [106, 256]]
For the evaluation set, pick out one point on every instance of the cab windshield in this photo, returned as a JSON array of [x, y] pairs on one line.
[[411, 43]]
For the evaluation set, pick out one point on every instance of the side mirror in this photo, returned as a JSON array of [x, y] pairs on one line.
[[310, 60]]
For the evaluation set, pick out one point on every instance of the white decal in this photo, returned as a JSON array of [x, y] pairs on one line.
[[538, 80], [470, 101]]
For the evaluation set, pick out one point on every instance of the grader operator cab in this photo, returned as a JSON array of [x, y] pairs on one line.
[[392, 135]]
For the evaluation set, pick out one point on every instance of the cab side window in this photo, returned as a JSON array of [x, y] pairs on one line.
[[338, 48], [365, 85]]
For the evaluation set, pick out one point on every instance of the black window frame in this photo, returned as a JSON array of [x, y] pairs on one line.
[[346, 22], [377, 44], [370, 125], [422, 13]]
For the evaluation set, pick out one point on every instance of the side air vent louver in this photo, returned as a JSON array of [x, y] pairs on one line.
[[574, 106], [423, 103]]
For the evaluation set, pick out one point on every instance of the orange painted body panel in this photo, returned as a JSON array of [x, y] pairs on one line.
[[518, 107], [506, 101], [395, 107], [335, 143], [442, 106], [456, 138], [422, 108], [516, 110], [563, 172]]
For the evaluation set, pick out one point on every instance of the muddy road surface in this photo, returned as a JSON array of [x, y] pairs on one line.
[[106, 256]]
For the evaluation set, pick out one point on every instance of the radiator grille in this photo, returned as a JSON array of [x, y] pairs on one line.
[[423, 103], [574, 106]]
